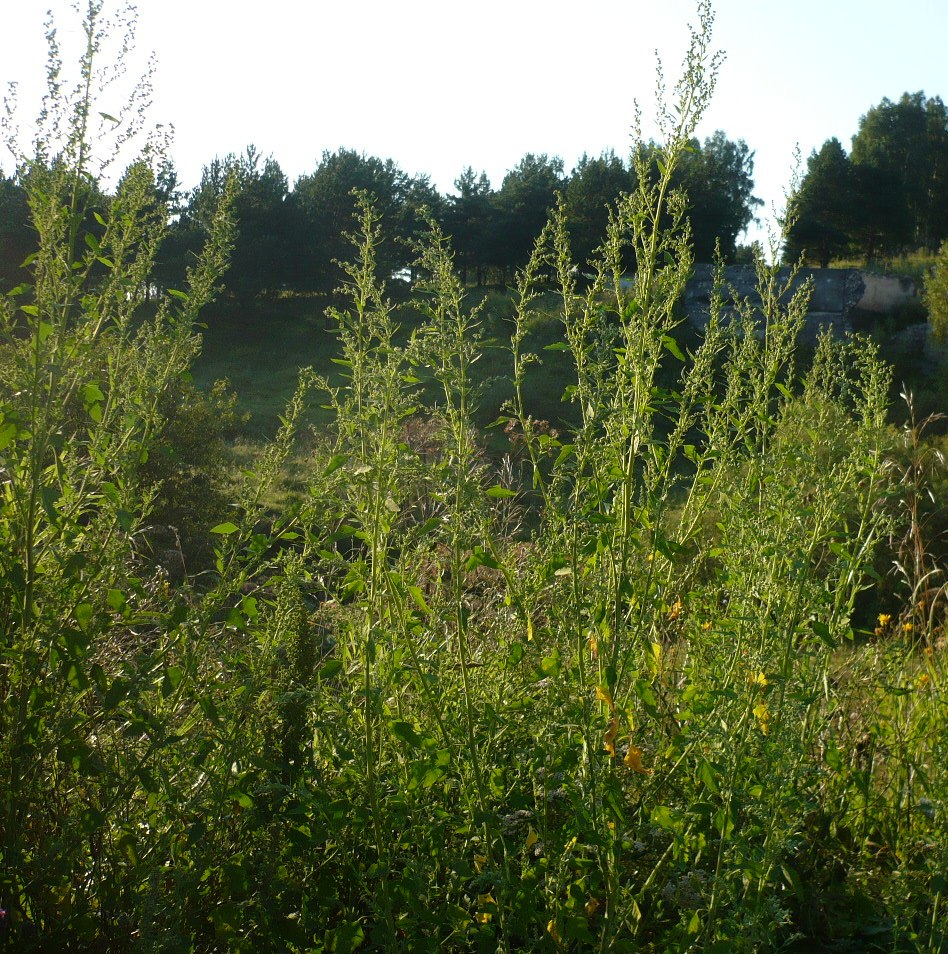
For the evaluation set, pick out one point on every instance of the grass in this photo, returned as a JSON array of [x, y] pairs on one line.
[[261, 354]]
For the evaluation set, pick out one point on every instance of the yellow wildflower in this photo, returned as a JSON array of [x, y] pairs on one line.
[[763, 716]]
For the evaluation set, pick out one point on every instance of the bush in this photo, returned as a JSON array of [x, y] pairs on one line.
[[936, 294], [190, 470]]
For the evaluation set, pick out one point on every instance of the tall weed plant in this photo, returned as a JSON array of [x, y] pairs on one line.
[[643, 696]]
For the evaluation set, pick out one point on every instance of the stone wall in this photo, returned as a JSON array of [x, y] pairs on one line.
[[837, 292]]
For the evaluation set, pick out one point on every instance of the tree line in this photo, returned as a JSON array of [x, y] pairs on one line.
[[889, 195], [290, 237]]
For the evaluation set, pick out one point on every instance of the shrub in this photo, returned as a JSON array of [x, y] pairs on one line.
[[936, 294]]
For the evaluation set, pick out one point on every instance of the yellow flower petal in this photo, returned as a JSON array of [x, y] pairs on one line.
[[763, 716]]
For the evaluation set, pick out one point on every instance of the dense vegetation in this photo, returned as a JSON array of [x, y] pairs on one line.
[[645, 686], [888, 196]]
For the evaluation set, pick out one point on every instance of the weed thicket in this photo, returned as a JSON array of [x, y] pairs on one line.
[[409, 715]]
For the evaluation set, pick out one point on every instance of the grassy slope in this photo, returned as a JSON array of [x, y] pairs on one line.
[[262, 352]]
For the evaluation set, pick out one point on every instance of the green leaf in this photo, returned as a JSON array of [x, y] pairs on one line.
[[242, 799], [116, 600], [419, 598], [664, 817], [551, 665], [8, 432], [672, 346], [480, 557], [337, 461], [646, 695], [225, 528], [330, 669], [177, 293], [557, 346], [110, 492], [171, 681], [406, 732], [498, 491], [432, 523], [344, 938], [707, 776]]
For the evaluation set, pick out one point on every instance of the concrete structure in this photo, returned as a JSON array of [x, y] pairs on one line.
[[838, 294]]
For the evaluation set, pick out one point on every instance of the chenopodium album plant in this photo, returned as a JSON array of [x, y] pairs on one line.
[[85, 672], [638, 729], [637, 722]]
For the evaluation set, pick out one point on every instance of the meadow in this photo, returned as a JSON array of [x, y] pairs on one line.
[[538, 624]]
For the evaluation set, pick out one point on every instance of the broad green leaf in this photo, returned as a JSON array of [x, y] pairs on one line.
[[225, 528]]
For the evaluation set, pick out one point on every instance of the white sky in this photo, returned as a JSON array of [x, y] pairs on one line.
[[437, 85]]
